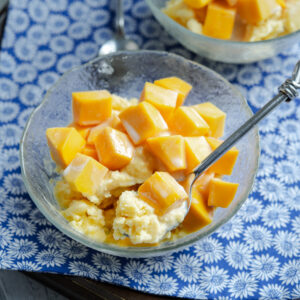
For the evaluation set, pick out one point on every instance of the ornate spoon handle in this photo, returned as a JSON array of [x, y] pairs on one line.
[[287, 92]]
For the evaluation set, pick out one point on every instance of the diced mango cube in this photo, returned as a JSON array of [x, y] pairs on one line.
[[177, 85], [114, 122], [255, 11], [197, 149], [219, 21], [221, 193], [187, 122], [162, 192], [91, 107], [64, 143], [142, 121], [213, 116], [90, 150], [225, 164], [83, 130], [197, 3], [84, 174], [163, 99], [198, 215], [114, 148], [170, 150]]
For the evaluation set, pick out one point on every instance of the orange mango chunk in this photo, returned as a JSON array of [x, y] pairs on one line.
[[64, 143], [163, 99], [142, 121], [197, 149], [187, 122], [114, 148], [91, 107], [114, 122], [255, 11], [83, 130], [213, 116], [90, 150], [221, 193], [170, 150], [84, 174], [198, 215], [219, 21], [181, 87], [197, 3], [225, 164], [162, 192]]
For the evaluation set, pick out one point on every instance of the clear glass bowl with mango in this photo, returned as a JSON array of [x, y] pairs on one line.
[[233, 31], [237, 20], [127, 167], [117, 176]]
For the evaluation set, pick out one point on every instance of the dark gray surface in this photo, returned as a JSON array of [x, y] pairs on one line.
[[15, 285]]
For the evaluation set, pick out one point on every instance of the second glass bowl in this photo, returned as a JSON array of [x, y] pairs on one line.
[[221, 50]]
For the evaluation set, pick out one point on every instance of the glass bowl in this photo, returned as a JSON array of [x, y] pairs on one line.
[[221, 50], [125, 74]]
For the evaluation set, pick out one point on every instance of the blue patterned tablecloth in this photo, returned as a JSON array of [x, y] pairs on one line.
[[255, 255]]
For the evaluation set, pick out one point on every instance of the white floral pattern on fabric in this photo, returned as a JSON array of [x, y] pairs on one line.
[[187, 268], [22, 248], [163, 284], [160, 263], [258, 238], [213, 279], [290, 273], [106, 262], [17, 205], [242, 285], [253, 256], [209, 250], [275, 215], [50, 258], [238, 255], [264, 267], [137, 272], [72, 249], [83, 269]]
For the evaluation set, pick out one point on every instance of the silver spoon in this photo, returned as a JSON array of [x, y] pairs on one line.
[[119, 41], [287, 92]]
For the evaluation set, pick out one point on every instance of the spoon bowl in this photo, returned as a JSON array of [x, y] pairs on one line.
[[118, 43]]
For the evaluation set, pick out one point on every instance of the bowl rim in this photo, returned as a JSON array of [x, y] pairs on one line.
[[203, 37], [137, 252]]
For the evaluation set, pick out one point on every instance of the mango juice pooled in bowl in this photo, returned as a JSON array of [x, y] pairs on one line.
[[126, 166], [238, 20]]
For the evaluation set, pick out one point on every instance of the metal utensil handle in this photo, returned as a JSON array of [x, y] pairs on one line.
[[287, 92], [119, 18]]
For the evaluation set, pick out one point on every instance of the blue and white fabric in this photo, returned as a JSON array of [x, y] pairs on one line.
[[255, 255]]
